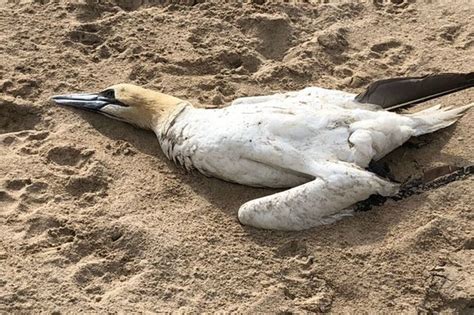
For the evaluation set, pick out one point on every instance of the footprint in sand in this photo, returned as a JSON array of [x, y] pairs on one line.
[[449, 284], [86, 38], [17, 195], [68, 156], [103, 257], [393, 6], [15, 117], [7, 203], [19, 127], [390, 52], [273, 34], [298, 283]]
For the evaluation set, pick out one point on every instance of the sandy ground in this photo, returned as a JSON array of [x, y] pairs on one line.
[[94, 218]]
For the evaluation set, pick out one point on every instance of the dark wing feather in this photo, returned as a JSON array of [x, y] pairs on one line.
[[401, 92]]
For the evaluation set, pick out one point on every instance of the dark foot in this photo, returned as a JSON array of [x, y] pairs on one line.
[[431, 179]]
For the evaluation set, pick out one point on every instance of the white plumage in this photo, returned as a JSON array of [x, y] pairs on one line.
[[316, 139]]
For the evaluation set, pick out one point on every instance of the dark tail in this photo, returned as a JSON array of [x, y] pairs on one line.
[[400, 92]]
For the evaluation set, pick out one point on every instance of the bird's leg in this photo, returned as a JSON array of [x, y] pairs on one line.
[[317, 202], [431, 179]]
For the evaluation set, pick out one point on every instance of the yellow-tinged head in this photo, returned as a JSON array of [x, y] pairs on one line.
[[127, 102]]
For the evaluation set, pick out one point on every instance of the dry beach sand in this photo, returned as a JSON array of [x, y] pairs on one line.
[[93, 217]]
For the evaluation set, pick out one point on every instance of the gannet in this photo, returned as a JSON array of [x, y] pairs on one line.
[[317, 142]]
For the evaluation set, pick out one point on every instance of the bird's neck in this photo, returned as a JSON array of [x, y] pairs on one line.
[[173, 133], [162, 107], [169, 116]]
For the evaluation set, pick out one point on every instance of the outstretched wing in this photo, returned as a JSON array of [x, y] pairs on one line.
[[317, 202]]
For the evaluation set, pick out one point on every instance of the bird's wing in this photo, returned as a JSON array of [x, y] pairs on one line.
[[320, 201], [401, 92], [388, 94], [336, 186], [316, 97]]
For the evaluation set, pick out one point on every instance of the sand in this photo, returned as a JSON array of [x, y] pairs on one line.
[[95, 219]]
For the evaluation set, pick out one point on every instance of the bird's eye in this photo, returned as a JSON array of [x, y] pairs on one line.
[[110, 93]]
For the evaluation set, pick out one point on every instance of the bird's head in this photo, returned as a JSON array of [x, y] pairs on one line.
[[127, 102]]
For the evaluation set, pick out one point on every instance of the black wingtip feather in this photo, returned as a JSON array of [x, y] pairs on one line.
[[400, 92]]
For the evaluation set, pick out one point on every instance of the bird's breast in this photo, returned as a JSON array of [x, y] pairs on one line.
[[220, 146]]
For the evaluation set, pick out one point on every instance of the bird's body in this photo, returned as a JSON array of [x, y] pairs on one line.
[[288, 140], [239, 142], [316, 140]]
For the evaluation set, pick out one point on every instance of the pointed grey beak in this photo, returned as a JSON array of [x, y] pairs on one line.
[[93, 102]]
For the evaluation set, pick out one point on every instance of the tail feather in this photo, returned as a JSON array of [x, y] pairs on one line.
[[401, 92], [435, 118]]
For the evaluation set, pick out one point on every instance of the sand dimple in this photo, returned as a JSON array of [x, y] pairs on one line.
[[385, 46], [273, 34], [40, 224], [86, 38], [14, 117], [450, 284], [65, 155], [394, 6], [93, 183], [17, 184], [6, 201]]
